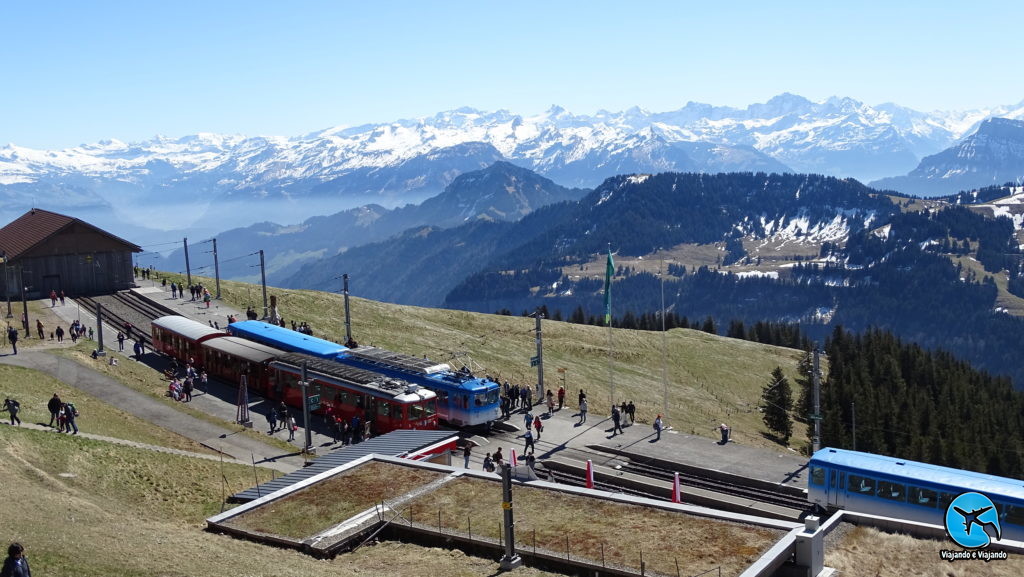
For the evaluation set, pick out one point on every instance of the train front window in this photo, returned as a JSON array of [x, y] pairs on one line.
[[923, 497], [817, 476], [480, 399], [492, 396], [860, 484], [891, 491]]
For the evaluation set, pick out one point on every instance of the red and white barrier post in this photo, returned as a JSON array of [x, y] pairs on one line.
[[590, 474], [513, 460], [677, 490]]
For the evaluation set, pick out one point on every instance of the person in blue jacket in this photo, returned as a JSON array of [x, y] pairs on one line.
[[16, 563]]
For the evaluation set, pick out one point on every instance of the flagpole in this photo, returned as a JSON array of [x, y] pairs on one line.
[[609, 272]]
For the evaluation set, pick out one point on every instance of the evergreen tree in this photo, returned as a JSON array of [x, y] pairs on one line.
[[709, 326], [777, 397]]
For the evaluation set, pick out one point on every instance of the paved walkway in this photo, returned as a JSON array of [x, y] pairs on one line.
[[127, 443], [152, 410]]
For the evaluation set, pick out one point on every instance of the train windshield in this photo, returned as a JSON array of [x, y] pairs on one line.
[[422, 410], [485, 398]]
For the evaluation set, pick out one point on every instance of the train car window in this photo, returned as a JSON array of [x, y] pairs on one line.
[[384, 409], [860, 484], [832, 478], [492, 396], [415, 412], [923, 497], [818, 476], [891, 491], [429, 408], [1012, 514], [945, 499]]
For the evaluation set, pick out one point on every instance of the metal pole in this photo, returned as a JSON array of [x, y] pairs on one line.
[[99, 330], [664, 346], [188, 269], [511, 560], [216, 268], [7, 286], [348, 319], [24, 301], [263, 281], [611, 380], [816, 439], [853, 415], [305, 408], [540, 357]]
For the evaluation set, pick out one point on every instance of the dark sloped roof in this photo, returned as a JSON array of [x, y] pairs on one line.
[[37, 225], [394, 444]]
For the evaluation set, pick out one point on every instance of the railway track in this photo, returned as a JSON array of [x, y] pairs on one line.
[[763, 495], [128, 308]]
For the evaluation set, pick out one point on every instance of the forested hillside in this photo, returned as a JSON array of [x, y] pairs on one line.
[[907, 402]]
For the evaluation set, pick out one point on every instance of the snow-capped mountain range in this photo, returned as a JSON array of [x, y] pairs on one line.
[[418, 158]]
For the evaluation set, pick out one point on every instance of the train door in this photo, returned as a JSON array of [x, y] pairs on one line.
[[836, 488]]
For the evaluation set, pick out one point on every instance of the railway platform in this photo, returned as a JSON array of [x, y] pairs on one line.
[[564, 436]]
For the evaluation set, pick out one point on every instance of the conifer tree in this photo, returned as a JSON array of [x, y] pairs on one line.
[[777, 397]]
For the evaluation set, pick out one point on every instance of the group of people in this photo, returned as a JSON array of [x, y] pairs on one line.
[[347, 431], [494, 461], [144, 272], [180, 389], [197, 292], [64, 414], [515, 397], [280, 418], [54, 297]]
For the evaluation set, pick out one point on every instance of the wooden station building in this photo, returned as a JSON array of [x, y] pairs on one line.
[[44, 251]]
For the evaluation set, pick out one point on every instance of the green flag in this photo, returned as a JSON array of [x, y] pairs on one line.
[[608, 274]]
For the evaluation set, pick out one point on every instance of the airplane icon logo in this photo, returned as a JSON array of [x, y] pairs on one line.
[[970, 510]]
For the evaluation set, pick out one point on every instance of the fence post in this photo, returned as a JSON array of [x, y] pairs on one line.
[[642, 572], [439, 522], [500, 540], [566, 546], [469, 520], [602, 555], [535, 542], [677, 566]]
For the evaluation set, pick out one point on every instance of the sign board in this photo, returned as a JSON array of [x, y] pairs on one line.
[[561, 369], [534, 361], [506, 505], [314, 402]]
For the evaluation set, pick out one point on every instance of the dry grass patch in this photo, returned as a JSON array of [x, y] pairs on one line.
[[134, 513], [867, 551], [665, 537], [330, 502]]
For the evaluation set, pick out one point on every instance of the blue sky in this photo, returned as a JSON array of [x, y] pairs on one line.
[[76, 72]]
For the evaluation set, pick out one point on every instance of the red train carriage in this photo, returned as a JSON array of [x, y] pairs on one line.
[[231, 357], [180, 337], [388, 403]]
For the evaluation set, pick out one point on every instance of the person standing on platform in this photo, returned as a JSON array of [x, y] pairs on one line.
[[551, 402], [561, 397], [499, 459], [582, 397], [272, 421], [466, 452], [583, 411], [120, 341], [657, 427], [12, 337], [616, 418], [631, 411], [290, 423], [623, 412]]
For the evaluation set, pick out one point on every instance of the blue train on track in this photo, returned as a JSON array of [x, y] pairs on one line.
[[462, 399], [902, 489]]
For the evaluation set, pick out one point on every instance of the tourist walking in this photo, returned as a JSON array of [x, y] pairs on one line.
[[488, 463], [292, 427], [54, 407], [70, 412], [551, 402], [631, 411], [272, 421], [13, 407], [539, 425], [529, 440], [12, 337], [583, 411], [582, 397], [466, 452], [657, 427], [16, 563]]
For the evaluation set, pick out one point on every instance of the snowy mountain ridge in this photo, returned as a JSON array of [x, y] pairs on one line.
[[839, 136]]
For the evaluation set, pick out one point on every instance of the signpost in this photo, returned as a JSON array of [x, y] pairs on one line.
[[314, 402], [534, 361]]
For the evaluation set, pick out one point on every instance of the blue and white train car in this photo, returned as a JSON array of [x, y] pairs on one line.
[[286, 339], [902, 489], [462, 399]]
